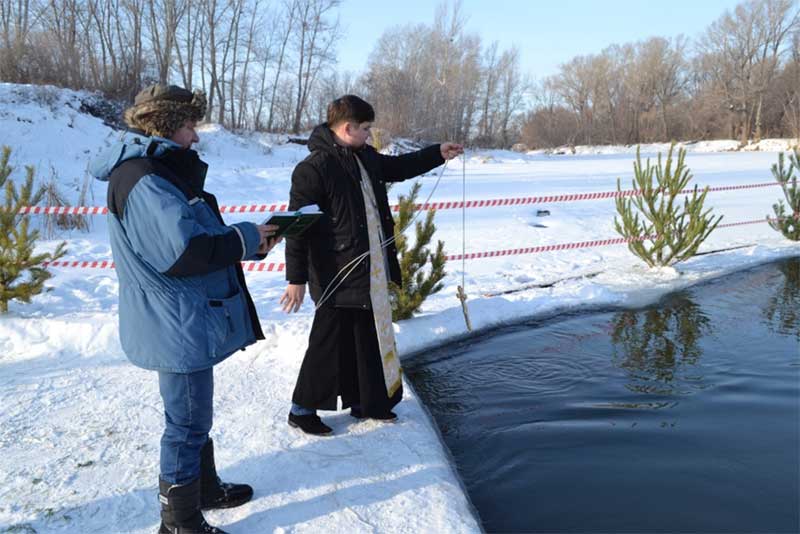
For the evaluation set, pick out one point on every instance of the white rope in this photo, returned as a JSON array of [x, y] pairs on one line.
[[354, 262], [463, 218], [461, 291]]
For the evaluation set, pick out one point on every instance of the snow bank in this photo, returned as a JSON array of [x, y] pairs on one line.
[[722, 145]]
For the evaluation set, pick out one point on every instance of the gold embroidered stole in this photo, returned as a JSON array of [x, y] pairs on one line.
[[379, 288]]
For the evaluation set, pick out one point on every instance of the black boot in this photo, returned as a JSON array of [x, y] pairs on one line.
[[213, 492], [386, 417], [180, 509], [310, 424]]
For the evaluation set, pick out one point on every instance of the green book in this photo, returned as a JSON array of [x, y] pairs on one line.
[[293, 223]]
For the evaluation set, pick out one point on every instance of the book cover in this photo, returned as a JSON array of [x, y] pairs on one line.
[[293, 223]]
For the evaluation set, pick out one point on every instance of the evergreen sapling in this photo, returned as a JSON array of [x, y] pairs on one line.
[[787, 222], [418, 282], [22, 272], [662, 231]]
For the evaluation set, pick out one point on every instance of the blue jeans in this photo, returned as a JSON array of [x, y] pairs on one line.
[[188, 409]]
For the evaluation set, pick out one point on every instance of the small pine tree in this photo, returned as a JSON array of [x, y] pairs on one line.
[[670, 232], [787, 222], [22, 274], [417, 283]]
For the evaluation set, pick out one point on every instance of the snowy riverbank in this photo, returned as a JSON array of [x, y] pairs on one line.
[[80, 426]]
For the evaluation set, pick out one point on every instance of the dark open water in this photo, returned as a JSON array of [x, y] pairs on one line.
[[680, 417]]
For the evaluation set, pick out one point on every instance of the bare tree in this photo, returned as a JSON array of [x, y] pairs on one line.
[[133, 43], [264, 56], [285, 30], [778, 20], [231, 50], [244, 82], [668, 75], [394, 81], [742, 50], [491, 77], [606, 73], [164, 18], [789, 89], [574, 85], [550, 123], [426, 80], [512, 91], [15, 24], [61, 20], [314, 40], [187, 39], [214, 14]]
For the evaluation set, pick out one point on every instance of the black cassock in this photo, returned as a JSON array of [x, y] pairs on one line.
[[343, 359], [343, 356]]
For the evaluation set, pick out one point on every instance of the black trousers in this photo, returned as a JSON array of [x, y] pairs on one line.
[[343, 360]]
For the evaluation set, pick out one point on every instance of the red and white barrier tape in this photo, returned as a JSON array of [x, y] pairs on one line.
[[550, 199], [256, 266], [742, 223], [489, 203], [63, 210]]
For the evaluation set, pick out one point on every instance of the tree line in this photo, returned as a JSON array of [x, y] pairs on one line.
[[258, 63], [740, 79], [267, 65], [271, 65]]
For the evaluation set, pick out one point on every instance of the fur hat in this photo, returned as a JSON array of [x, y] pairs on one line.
[[163, 109]]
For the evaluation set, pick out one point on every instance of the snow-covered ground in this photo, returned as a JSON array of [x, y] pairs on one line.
[[79, 426]]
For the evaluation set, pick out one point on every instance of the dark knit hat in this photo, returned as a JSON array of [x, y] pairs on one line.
[[162, 109]]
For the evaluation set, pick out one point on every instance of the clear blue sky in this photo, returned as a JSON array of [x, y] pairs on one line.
[[548, 32]]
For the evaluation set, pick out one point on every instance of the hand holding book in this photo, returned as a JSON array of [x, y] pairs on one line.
[[268, 238], [293, 223]]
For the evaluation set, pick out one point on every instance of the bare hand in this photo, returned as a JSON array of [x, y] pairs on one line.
[[451, 150], [266, 234], [265, 246], [293, 297]]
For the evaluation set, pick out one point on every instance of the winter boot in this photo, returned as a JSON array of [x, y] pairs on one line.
[[310, 424], [386, 417], [180, 509], [213, 492]]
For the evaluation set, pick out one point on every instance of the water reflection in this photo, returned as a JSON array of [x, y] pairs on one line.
[[783, 309], [656, 346], [596, 422]]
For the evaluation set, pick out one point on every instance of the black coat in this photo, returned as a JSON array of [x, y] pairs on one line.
[[330, 178]]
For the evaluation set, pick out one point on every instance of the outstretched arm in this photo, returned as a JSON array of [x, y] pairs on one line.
[[399, 168]]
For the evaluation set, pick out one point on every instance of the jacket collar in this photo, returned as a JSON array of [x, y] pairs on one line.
[[185, 164], [322, 138]]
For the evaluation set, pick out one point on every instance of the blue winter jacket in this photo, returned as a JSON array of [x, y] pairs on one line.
[[183, 302]]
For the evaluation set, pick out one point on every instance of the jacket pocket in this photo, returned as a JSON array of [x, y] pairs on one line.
[[228, 325]]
